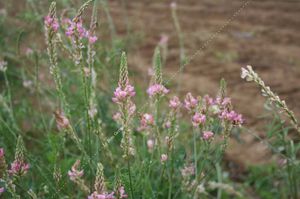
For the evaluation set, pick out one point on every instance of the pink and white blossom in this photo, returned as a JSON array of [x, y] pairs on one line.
[[74, 173], [174, 102], [18, 168], [157, 89], [207, 135], [190, 103], [120, 95], [198, 119], [51, 22]]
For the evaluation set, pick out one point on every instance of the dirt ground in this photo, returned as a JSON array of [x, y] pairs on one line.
[[229, 34]]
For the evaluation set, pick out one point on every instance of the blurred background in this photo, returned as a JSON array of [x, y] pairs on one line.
[[204, 40]]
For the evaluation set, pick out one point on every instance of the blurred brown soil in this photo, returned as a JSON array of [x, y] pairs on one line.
[[264, 34]]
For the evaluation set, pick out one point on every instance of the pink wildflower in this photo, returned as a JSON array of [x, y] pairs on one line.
[[163, 158], [232, 116], [117, 116], [226, 101], [147, 120], [190, 103], [168, 124], [62, 121], [18, 168], [207, 135], [96, 195], [209, 100], [157, 89], [93, 39], [132, 108], [74, 173], [122, 192], [174, 103], [76, 27], [51, 22], [198, 119], [121, 95]]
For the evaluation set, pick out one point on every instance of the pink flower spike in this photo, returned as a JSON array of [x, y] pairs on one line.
[[198, 119], [51, 23], [190, 103], [174, 103], [209, 100], [168, 124], [157, 89], [122, 192], [92, 39], [121, 95], [147, 120], [18, 168], [74, 173], [207, 135], [117, 116]]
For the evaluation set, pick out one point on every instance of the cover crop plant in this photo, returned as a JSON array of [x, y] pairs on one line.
[[98, 139]]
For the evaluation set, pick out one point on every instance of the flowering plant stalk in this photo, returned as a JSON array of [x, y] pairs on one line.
[[122, 97], [250, 76]]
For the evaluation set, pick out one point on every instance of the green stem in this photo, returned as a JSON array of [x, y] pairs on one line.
[[130, 179], [195, 152]]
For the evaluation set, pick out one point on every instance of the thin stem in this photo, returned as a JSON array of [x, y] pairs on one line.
[[195, 152], [130, 180]]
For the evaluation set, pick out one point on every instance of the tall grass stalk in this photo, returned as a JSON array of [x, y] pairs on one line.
[[181, 43]]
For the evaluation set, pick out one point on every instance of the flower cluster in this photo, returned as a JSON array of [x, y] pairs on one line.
[[232, 116], [198, 119], [121, 95], [174, 103], [62, 121], [74, 173], [157, 89], [96, 195], [122, 193], [146, 121], [18, 168], [77, 29], [207, 135], [190, 103], [51, 23]]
